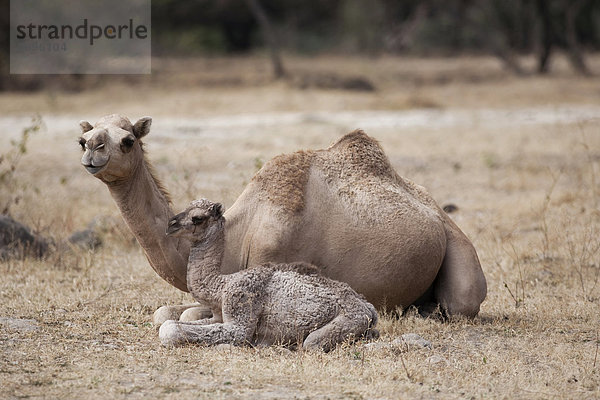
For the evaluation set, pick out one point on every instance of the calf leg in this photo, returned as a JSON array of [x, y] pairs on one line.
[[339, 329], [176, 333], [238, 329]]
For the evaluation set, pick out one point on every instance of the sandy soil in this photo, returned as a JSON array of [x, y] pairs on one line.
[[519, 157]]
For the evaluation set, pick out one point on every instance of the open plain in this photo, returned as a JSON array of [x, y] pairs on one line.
[[519, 157]]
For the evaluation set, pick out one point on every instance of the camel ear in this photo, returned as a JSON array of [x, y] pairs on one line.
[[85, 126], [217, 210], [142, 127]]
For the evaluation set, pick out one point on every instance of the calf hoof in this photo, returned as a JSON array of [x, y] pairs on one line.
[[195, 314], [170, 334]]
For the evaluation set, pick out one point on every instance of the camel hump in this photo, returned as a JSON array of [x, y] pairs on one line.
[[354, 136], [361, 153], [303, 268], [283, 179]]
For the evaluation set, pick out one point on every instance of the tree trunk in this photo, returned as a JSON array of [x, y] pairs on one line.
[[547, 36], [402, 36], [269, 37], [499, 40], [508, 58], [572, 9]]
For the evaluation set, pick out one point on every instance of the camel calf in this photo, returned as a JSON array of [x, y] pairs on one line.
[[285, 304]]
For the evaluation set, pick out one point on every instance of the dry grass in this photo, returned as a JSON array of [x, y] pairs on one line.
[[527, 196]]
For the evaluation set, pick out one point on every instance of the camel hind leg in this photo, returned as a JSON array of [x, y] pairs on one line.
[[341, 328], [460, 286]]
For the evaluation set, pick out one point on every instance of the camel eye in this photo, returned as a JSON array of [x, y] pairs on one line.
[[127, 141], [82, 143], [198, 220]]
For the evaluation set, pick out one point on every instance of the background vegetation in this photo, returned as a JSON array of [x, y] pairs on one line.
[[506, 29]]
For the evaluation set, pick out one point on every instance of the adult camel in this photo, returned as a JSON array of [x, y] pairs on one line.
[[343, 209]]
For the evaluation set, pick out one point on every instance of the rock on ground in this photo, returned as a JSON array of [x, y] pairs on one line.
[[17, 241], [18, 324]]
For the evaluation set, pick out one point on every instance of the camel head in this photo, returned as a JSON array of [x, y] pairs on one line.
[[112, 148], [199, 222]]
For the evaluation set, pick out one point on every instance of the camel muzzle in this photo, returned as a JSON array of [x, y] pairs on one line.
[[172, 227], [92, 169]]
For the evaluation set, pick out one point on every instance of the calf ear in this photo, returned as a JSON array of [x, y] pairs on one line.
[[217, 210], [142, 127], [85, 126]]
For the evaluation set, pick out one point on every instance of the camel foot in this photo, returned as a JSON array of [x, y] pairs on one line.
[[195, 314], [166, 313]]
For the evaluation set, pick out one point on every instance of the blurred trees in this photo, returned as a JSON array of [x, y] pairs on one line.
[[505, 28]]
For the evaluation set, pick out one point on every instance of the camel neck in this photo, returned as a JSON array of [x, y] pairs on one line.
[[204, 266], [146, 210]]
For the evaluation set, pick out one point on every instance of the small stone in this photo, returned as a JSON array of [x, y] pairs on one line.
[[412, 340], [377, 346], [284, 351], [86, 239], [224, 347], [450, 208], [435, 359], [21, 325]]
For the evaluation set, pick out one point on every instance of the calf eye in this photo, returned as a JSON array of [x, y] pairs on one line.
[[198, 220]]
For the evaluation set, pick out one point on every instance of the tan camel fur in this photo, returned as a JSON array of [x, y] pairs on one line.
[[343, 209], [268, 304]]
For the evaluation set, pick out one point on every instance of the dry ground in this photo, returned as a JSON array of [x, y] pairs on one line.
[[518, 156]]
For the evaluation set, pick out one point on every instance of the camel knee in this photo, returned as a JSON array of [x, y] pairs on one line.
[[462, 308], [195, 314], [464, 299], [460, 286], [318, 341]]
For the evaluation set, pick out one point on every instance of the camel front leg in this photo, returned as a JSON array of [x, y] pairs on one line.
[[175, 333], [188, 312]]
